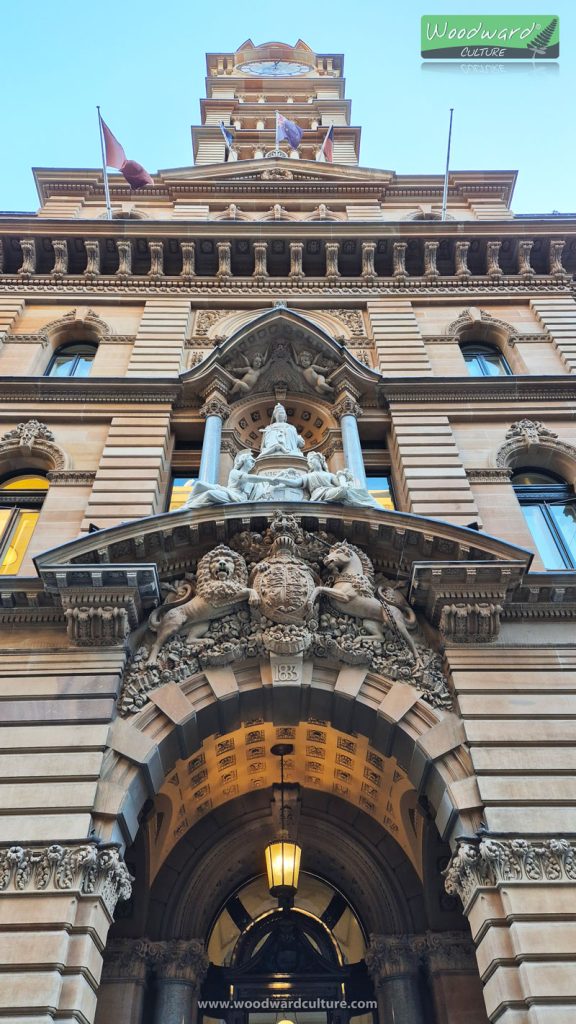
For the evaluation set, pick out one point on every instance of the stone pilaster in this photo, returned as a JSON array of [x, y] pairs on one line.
[[393, 963], [180, 966]]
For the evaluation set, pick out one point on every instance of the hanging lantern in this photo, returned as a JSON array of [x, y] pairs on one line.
[[282, 854]]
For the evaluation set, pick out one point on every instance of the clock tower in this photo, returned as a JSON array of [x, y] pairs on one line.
[[245, 89]]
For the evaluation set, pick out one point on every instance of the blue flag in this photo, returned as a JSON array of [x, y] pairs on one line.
[[228, 139], [288, 130]]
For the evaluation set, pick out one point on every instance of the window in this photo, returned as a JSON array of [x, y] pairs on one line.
[[484, 360], [180, 492], [72, 360], [21, 497], [380, 487], [549, 507]]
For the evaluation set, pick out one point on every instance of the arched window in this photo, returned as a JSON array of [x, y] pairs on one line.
[[484, 360], [74, 359], [21, 498], [549, 507]]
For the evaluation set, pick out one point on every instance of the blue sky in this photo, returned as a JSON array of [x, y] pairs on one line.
[[144, 63]]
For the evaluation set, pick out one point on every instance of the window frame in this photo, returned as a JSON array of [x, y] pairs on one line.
[[475, 347], [17, 502], [543, 496], [61, 350]]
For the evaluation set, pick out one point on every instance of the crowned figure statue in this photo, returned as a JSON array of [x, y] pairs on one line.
[[280, 437]]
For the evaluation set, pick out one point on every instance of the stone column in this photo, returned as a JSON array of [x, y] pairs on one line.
[[393, 962], [180, 966], [454, 978], [123, 982], [215, 411], [347, 411]]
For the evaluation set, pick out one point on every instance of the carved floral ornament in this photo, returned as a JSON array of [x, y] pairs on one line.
[[526, 434], [33, 438], [90, 870], [488, 861], [81, 320], [179, 959], [389, 956], [474, 318]]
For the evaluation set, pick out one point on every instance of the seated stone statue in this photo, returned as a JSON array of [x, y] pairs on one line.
[[280, 437], [338, 487], [242, 485]]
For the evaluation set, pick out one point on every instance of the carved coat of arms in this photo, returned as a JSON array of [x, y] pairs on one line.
[[284, 582]]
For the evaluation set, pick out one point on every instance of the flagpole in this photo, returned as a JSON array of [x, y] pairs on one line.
[[445, 192], [106, 188], [277, 144]]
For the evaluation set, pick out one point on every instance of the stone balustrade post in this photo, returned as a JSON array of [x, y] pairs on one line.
[[215, 411], [60, 246], [92, 247], [188, 250], [399, 258], [332, 249], [124, 256], [296, 251], [156, 250], [347, 411], [393, 963], [180, 966], [493, 268], [260, 259], [224, 258], [430, 255]]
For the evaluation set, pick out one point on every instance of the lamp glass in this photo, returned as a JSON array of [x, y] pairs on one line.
[[282, 866]]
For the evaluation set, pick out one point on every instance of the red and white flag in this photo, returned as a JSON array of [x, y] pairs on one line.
[[326, 154], [135, 174]]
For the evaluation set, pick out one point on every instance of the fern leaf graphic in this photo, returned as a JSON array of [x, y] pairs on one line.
[[540, 42]]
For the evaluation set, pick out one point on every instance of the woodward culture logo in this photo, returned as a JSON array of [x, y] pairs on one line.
[[494, 37]]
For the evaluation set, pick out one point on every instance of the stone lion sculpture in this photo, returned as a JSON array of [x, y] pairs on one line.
[[221, 586]]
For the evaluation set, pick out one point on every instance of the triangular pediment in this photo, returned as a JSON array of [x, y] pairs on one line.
[[277, 170]]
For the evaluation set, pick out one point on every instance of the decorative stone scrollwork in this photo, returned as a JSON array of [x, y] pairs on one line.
[[388, 956], [188, 250], [126, 960], [156, 250], [469, 623], [98, 625], [352, 318], [215, 406], [206, 318], [332, 250], [88, 869], [124, 248], [525, 434], [92, 256], [368, 253], [493, 268], [60, 247], [224, 259], [430, 254], [461, 259], [260, 259], [296, 252], [555, 256], [33, 437], [487, 861], [524, 249], [28, 256], [285, 591], [346, 405], [179, 959], [399, 258]]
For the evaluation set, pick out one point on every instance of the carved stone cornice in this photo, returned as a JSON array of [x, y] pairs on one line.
[[72, 478], [487, 861], [489, 475], [88, 869], [465, 600]]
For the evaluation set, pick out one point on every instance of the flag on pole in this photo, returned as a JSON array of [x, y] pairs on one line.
[[228, 141], [326, 154], [288, 130], [135, 174]]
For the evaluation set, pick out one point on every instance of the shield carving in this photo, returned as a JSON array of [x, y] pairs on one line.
[[284, 584]]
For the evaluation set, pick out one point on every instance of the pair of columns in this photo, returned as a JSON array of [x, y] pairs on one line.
[[216, 411], [178, 966], [396, 963]]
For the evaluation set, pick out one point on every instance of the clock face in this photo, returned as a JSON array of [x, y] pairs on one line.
[[274, 68]]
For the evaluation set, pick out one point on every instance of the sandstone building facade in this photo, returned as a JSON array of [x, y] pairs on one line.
[[285, 459]]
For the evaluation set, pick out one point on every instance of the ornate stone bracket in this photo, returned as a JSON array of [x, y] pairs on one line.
[[88, 869], [487, 861], [102, 604], [464, 600]]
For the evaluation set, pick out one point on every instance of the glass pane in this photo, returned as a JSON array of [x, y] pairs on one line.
[[14, 553], [539, 477], [379, 488], [181, 487], [5, 516], [62, 366], [25, 483], [83, 366], [547, 548], [474, 365], [564, 517], [493, 364]]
